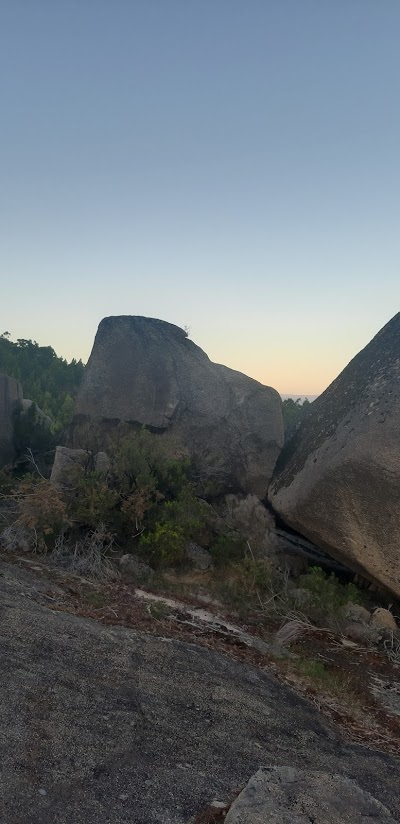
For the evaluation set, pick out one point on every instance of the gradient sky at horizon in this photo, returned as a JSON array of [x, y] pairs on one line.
[[232, 166]]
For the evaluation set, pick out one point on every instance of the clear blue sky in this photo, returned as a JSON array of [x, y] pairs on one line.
[[228, 165]]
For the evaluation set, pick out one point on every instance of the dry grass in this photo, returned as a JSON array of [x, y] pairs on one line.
[[18, 538], [87, 557]]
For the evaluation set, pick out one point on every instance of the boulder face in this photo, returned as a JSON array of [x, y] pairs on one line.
[[147, 372], [286, 795], [337, 481], [10, 395], [66, 460]]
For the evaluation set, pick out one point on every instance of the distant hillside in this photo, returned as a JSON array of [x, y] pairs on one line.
[[47, 379], [302, 398]]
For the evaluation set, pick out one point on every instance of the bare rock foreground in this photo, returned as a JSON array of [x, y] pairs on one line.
[[113, 726]]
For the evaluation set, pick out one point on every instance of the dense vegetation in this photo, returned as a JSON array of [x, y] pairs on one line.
[[293, 413], [48, 380], [145, 501], [142, 504]]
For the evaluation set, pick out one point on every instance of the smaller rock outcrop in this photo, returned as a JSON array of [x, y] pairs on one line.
[[66, 460], [287, 795], [10, 395]]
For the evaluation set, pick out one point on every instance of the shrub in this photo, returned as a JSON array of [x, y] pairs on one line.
[[250, 518], [315, 670], [172, 476], [7, 483], [145, 475], [41, 510], [178, 521], [227, 547], [145, 460], [328, 597], [186, 512], [246, 583], [257, 575], [90, 500], [17, 538], [88, 556], [31, 432], [137, 505], [164, 545]]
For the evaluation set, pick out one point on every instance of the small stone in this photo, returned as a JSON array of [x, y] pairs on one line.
[[300, 595], [361, 633], [134, 566], [384, 619], [42, 791], [123, 796], [357, 613], [199, 557]]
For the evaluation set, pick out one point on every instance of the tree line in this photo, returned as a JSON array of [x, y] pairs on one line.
[[48, 380]]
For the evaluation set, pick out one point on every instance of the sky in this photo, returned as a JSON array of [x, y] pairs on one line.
[[232, 166]]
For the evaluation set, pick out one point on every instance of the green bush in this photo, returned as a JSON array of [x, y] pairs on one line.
[[90, 500], [178, 521], [144, 460], [186, 512], [245, 583], [328, 596], [29, 432], [257, 576], [227, 547], [7, 482], [165, 545]]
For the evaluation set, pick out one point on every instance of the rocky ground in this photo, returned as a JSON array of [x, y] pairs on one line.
[[118, 708]]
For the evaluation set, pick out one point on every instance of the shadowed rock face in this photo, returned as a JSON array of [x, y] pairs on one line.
[[147, 372], [337, 481], [10, 395]]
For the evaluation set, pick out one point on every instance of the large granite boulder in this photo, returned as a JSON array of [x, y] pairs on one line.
[[147, 372], [286, 795], [337, 481], [10, 395]]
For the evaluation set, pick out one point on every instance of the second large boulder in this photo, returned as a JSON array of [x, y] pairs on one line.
[[147, 372], [338, 479]]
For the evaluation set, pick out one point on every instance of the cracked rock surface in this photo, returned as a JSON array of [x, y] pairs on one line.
[[285, 795], [113, 726]]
